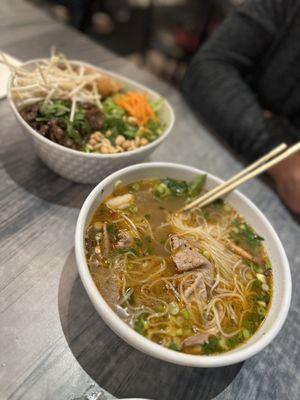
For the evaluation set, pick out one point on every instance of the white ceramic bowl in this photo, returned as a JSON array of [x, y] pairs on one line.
[[281, 272], [90, 167]]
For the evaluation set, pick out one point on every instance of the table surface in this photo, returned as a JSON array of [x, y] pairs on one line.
[[53, 345]]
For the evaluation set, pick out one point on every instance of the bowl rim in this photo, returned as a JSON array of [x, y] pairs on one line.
[[115, 75], [140, 342]]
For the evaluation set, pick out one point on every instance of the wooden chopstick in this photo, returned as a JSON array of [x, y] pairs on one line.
[[256, 163], [248, 173]]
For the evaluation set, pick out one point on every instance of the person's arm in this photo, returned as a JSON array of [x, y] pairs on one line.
[[215, 82], [215, 85]]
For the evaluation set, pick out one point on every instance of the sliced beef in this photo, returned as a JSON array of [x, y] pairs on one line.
[[30, 113], [109, 286], [55, 132], [176, 242], [186, 256], [43, 129], [94, 115], [51, 130], [198, 339], [55, 129]]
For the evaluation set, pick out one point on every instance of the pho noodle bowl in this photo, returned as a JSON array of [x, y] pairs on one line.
[[198, 282]]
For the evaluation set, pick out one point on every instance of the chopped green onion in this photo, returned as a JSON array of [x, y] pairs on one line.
[[173, 308], [261, 278], [160, 309], [150, 250], [223, 344], [185, 313], [162, 190], [212, 346], [135, 187], [138, 242], [196, 185], [117, 183], [246, 333], [173, 346], [139, 324], [265, 287], [262, 303], [206, 254]]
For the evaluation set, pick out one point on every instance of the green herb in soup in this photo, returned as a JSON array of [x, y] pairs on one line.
[[198, 282]]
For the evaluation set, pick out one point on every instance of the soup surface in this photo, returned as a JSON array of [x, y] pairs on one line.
[[199, 282]]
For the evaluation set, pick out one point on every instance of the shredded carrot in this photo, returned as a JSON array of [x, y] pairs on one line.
[[137, 105]]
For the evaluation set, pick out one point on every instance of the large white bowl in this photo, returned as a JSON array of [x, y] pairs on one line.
[[281, 272], [90, 167]]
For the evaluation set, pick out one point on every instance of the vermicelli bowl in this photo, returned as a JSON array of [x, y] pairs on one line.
[[94, 163]]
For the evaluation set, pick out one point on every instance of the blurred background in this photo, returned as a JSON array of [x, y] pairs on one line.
[[160, 35]]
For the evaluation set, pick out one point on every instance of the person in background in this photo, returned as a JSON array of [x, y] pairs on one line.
[[245, 83]]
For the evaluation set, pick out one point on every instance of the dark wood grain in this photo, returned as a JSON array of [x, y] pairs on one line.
[[52, 343]]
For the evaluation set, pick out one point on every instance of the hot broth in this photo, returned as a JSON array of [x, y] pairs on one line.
[[199, 282]]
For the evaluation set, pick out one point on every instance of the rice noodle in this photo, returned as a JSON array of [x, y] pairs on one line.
[[216, 302]]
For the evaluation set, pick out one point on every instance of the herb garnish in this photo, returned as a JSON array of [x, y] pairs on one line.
[[179, 188], [60, 111]]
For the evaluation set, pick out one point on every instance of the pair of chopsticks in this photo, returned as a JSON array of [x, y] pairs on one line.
[[275, 156]]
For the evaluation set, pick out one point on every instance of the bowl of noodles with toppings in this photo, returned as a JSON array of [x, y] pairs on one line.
[[206, 287], [86, 122]]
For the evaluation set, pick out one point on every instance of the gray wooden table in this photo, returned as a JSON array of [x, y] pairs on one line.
[[53, 345]]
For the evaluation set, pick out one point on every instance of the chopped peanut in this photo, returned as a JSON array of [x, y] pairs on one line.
[[104, 149], [126, 144], [120, 139], [100, 143]]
